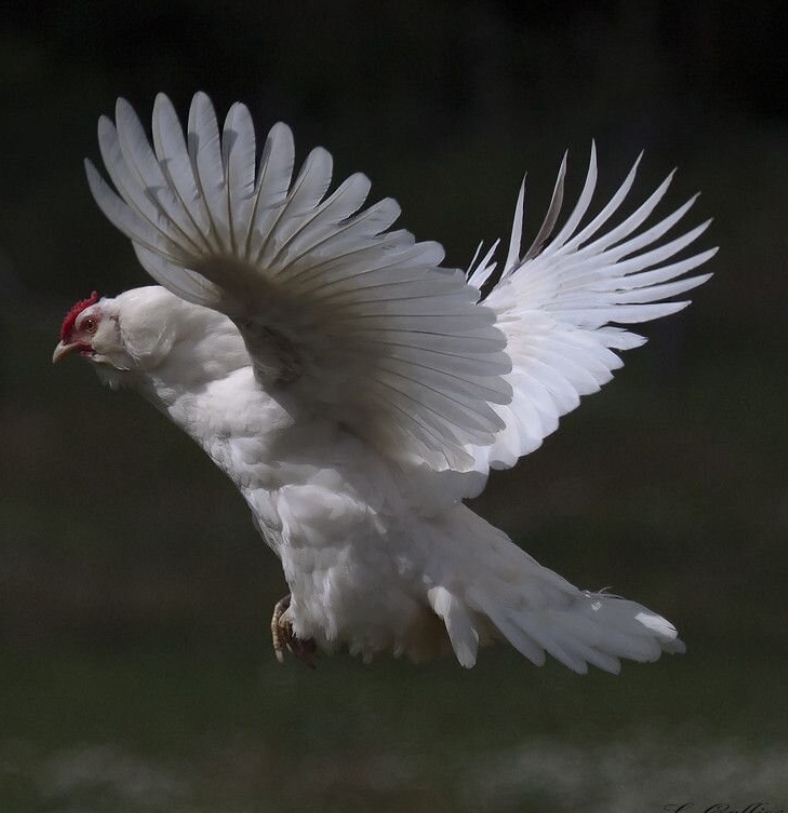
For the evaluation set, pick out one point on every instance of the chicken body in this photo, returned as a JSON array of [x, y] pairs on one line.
[[356, 392]]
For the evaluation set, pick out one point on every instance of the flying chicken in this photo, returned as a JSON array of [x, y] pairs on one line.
[[356, 391]]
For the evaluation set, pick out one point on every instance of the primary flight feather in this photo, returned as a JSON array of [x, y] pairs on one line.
[[356, 391]]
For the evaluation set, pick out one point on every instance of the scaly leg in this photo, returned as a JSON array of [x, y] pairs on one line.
[[283, 636]]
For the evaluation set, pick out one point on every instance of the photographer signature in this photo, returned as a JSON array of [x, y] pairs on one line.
[[721, 807]]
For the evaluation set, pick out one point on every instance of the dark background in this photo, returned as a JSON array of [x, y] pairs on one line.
[[135, 669]]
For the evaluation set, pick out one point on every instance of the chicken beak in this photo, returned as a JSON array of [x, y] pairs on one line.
[[61, 350]]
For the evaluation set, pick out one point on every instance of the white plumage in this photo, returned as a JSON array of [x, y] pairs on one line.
[[355, 391]]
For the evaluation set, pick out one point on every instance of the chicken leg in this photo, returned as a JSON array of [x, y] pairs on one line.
[[283, 636]]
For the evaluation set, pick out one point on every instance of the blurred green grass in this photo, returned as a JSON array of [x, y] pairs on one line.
[[172, 730]]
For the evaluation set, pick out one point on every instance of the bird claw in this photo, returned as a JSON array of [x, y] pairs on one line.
[[283, 636]]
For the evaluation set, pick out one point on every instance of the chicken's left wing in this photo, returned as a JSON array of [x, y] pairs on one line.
[[358, 321], [560, 303]]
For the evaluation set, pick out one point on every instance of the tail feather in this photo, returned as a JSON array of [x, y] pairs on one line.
[[463, 635], [489, 589]]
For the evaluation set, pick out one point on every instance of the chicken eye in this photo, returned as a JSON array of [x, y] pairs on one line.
[[89, 325]]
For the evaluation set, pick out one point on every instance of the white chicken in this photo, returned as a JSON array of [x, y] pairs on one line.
[[356, 391]]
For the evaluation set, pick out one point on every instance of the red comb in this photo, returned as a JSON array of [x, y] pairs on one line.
[[71, 316]]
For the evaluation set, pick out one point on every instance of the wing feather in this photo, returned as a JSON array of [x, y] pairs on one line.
[[551, 217], [239, 156], [273, 182], [205, 152], [583, 202], [171, 152]]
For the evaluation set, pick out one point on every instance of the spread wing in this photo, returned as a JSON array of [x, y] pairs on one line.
[[353, 318], [555, 304]]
